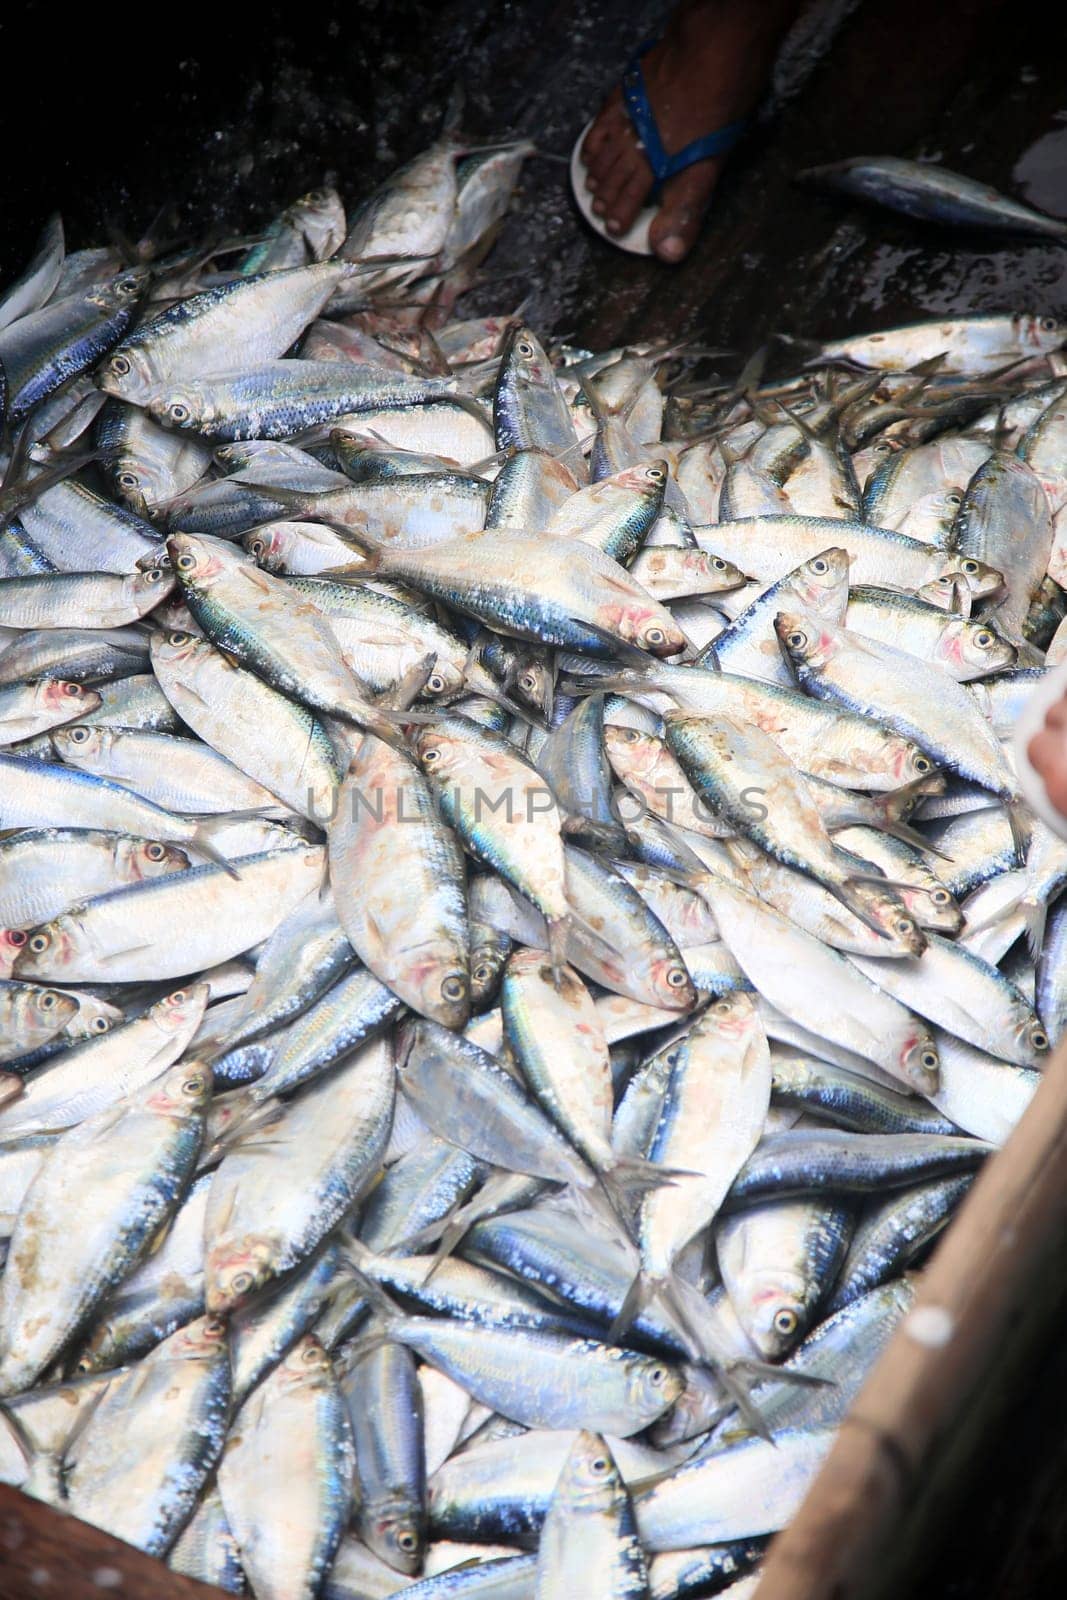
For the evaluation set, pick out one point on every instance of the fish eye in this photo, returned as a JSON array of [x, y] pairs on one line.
[[193, 1084], [407, 1542], [677, 977], [241, 1282], [983, 638], [39, 943], [630, 735], [177, 998], [657, 1376], [655, 636], [930, 1059], [904, 926], [186, 561], [85, 1364], [313, 1354], [600, 1465], [722, 1008], [524, 347], [923, 764], [153, 575], [128, 480], [431, 756], [819, 565], [655, 475], [435, 683], [454, 987], [257, 547], [482, 972], [179, 638], [178, 411], [1049, 324], [120, 365], [940, 897], [73, 689], [954, 499], [970, 567], [47, 1001], [155, 851], [79, 735], [214, 1328], [786, 1322], [100, 1025], [528, 681], [719, 564], [796, 639], [17, 937], [1039, 1038]]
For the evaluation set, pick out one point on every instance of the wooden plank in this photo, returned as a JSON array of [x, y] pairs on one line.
[[978, 1301], [47, 1555]]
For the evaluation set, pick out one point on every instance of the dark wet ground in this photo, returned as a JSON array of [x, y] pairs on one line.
[[226, 115]]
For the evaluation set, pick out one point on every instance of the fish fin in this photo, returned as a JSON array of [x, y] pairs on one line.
[[1035, 914], [558, 930], [621, 648], [207, 848], [380, 1303], [1019, 822], [912, 836], [642, 1292]]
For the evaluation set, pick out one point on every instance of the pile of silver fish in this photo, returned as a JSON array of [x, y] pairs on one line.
[[519, 925]]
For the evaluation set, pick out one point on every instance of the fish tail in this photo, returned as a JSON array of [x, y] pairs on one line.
[[558, 932]]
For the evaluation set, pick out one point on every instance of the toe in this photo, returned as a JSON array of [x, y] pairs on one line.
[[617, 181], [685, 200], [629, 198], [605, 138]]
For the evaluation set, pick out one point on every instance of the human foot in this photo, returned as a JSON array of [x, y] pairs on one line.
[[709, 69]]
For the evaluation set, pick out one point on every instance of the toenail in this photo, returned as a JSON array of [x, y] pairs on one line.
[[590, 184], [672, 248], [599, 207], [614, 226]]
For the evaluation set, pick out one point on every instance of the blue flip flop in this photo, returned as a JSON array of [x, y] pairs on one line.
[[664, 165]]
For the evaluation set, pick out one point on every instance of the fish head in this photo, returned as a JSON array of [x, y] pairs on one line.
[[919, 1062], [179, 405], [93, 1017], [973, 649], [525, 358], [652, 1386], [734, 1016], [648, 480], [196, 561], [489, 952], [804, 640], [443, 682], [905, 761], [981, 580], [441, 982], [235, 1270], [177, 647], [590, 1477], [669, 978], [821, 584], [184, 1091], [1040, 333], [395, 1529], [306, 1363], [12, 943], [438, 751], [882, 910], [127, 374], [533, 686], [1033, 1036], [774, 1313], [148, 587], [56, 694], [204, 1339], [49, 1009], [651, 628], [81, 745], [47, 948], [149, 858], [181, 1009], [633, 753]]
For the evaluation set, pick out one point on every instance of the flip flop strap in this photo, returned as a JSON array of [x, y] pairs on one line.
[[664, 166]]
